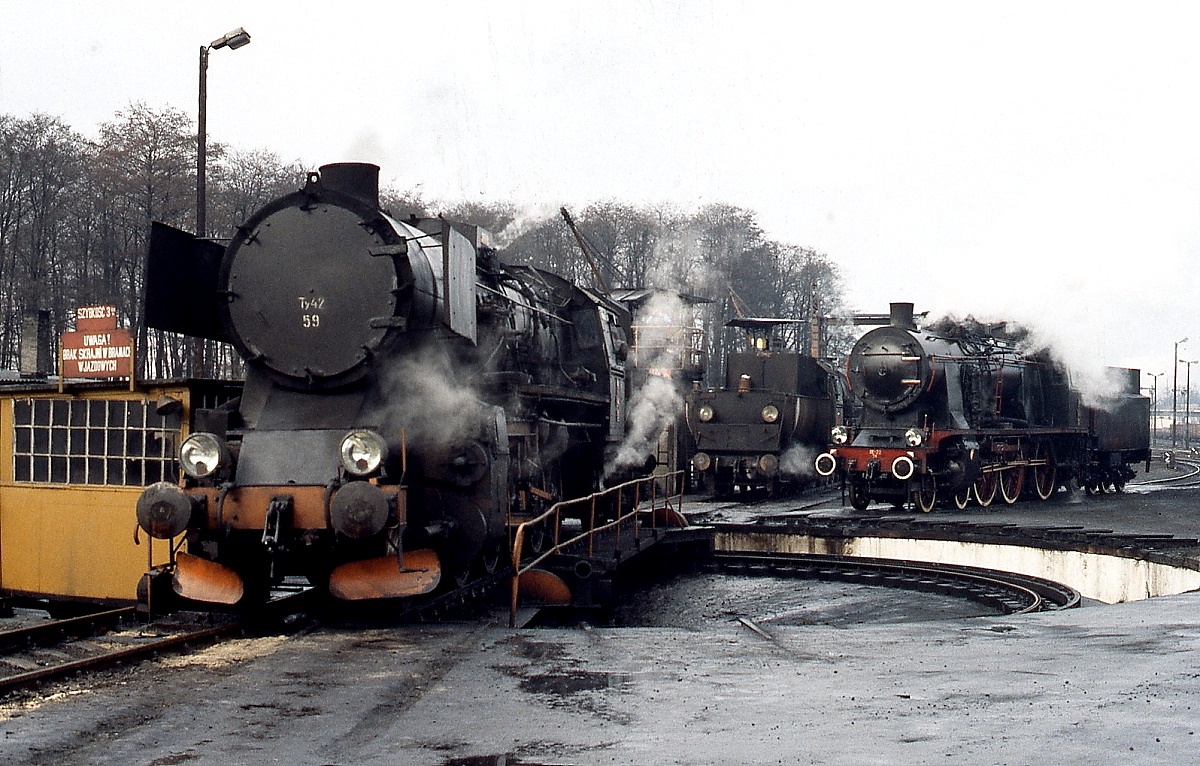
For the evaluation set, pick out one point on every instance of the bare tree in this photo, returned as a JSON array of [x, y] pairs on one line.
[[74, 219], [145, 172], [624, 238], [550, 245], [41, 161], [243, 181]]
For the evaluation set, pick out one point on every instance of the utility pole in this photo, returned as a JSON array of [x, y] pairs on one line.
[[1175, 390]]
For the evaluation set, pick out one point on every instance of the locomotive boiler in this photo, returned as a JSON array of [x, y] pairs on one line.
[[958, 412], [406, 396], [762, 428]]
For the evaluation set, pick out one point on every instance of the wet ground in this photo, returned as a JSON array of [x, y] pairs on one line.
[[1089, 685], [708, 601], [1100, 684]]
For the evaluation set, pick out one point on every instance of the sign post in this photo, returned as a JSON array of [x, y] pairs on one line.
[[97, 348]]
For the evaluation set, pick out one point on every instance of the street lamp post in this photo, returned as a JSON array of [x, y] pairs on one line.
[[234, 40], [1187, 403], [1154, 405], [1175, 391]]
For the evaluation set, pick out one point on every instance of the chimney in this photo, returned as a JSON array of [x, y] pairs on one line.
[[35, 343], [358, 179], [902, 316]]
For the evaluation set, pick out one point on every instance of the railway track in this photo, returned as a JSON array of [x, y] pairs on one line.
[[1006, 592], [56, 648], [1189, 476], [51, 650]]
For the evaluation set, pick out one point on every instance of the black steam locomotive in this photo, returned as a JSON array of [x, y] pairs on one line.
[[404, 393], [761, 430], [957, 412]]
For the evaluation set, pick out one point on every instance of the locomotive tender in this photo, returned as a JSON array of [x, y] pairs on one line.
[[958, 412], [405, 393], [761, 429]]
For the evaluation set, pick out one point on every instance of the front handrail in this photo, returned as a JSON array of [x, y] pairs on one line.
[[555, 512]]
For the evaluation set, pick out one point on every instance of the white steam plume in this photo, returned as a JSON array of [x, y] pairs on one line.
[[652, 409], [673, 268], [798, 460], [1079, 354], [658, 402], [525, 220], [425, 399]]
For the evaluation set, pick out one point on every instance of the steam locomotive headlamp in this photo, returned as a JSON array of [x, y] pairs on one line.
[[826, 464], [768, 464], [164, 510], [840, 434], [914, 438], [202, 453], [363, 452], [770, 413], [903, 468], [701, 461], [705, 413]]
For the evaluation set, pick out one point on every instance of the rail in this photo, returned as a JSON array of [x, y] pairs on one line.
[[102, 642], [1187, 461], [665, 500], [1008, 592]]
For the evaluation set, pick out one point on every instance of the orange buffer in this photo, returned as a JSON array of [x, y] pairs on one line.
[[203, 580], [669, 517], [542, 587], [384, 578]]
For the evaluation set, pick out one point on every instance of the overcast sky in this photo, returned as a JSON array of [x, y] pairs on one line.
[[1038, 161]]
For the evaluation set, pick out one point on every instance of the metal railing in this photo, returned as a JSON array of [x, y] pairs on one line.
[[660, 492], [668, 347]]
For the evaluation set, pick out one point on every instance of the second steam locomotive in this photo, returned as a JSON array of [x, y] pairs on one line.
[[958, 412], [405, 393], [760, 431]]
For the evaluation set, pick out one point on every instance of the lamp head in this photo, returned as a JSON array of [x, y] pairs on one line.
[[233, 40]]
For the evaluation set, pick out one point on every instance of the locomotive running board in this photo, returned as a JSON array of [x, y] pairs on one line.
[[383, 578], [203, 580]]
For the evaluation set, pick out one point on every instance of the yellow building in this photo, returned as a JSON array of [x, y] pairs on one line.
[[72, 464]]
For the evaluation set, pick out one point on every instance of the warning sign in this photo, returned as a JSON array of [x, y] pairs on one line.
[[98, 348]]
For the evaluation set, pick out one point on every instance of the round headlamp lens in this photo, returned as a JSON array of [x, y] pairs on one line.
[[705, 413], [701, 461], [913, 437], [362, 452], [201, 454], [770, 413], [840, 434]]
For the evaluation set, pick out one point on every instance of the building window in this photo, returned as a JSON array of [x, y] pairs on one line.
[[93, 441]]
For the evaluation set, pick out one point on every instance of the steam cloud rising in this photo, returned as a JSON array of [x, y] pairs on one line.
[[657, 403], [426, 399], [798, 460], [1098, 384]]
